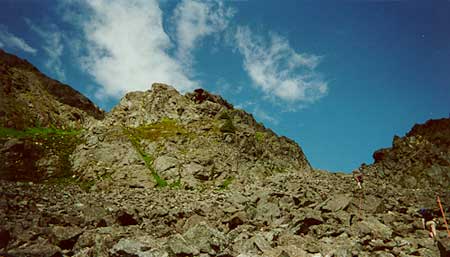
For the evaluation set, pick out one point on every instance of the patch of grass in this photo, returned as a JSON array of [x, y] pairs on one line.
[[47, 142], [148, 159], [36, 132], [228, 127], [260, 136], [176, 184], [226, 183], [224, 115], [86, 185], [165, 128], [160, 182]]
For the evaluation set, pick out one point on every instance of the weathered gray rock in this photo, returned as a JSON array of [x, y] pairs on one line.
[[205, 239], [131, 247], [164, 163], [373, 227], [338, 202], [177, 245], [66, 237], [37, 249], [267, 211]]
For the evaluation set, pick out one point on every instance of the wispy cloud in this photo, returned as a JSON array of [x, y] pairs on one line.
[[53, 47], [197, 19], [9, 40], [276, 68], [262, 115], [128, 48]]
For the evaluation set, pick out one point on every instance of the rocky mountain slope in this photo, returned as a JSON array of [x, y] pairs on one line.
[[165, 174], [39, 121], [162, 137], [30, 99], [420, 159]]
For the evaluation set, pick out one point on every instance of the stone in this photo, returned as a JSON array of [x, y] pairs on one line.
[[267, 211], [130, 247], [338, 202], [40, 249], [164, 163], [179, 246], [444, 247], [373, 227], [205, 239], [66, 237]]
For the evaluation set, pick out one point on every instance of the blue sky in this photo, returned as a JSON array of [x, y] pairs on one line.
[[339, 77]]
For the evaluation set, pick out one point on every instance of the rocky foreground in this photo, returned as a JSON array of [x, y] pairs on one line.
[[319, 214]]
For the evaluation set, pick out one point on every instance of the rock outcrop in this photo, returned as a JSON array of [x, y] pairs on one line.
[[39, 119], [165, 138], [31, 99], [420, 159]]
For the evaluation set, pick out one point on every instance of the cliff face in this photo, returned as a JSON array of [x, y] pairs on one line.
[[160, 136], [419, 159], [28, 98]]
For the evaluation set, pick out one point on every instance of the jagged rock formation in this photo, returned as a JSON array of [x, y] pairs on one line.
[[28, 98], [162, 137], [420, 159]]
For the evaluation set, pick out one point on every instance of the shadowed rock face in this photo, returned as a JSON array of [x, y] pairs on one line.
[[30, 99], [419, 159]]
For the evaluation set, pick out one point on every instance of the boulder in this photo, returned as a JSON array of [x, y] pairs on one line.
[[373, 227], [37, 249], [444, 246], [178, 246], [66, 237], [338, 202], [133, 247], [205, 239]]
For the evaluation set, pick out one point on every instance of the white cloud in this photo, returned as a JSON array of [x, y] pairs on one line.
[[197, 19], [9, 40], [278, 69], [53, 47], [127, 47], [264, 116]]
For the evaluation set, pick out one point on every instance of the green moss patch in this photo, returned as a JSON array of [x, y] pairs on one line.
[[37, 143], [165, 128], [260, 136], [151, 132]]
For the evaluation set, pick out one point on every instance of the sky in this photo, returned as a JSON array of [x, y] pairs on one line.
[[341, 78]]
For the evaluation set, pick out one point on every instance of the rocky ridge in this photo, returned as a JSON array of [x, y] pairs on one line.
[[40, 119], [198, 139], [420, 159], [31, 99]]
